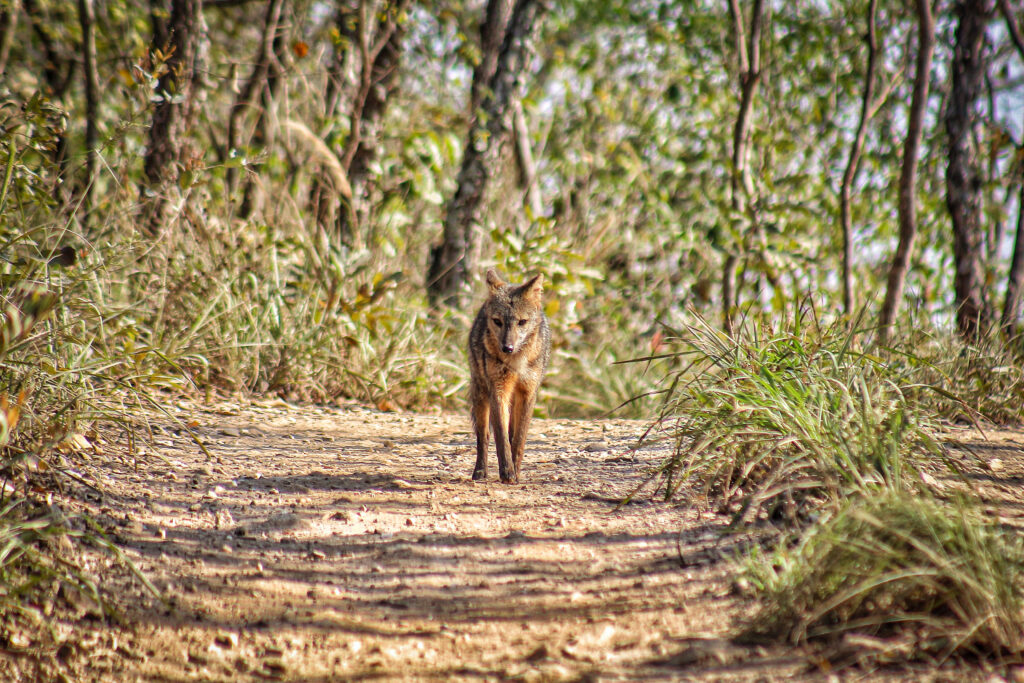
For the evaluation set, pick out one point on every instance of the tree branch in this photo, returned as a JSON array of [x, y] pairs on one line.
[[1011, 26], [245, 98]]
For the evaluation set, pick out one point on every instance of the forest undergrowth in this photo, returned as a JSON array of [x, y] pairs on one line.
[[689, 206]]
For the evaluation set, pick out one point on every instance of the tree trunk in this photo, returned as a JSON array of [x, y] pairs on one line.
[[57, 72], [524, 159], [87, 21], [963, 189], [853, 161], [741, 186], [492, 35], [907, 206], [492, 31], [267, 89], [158, 16], [339, 67], [173, 114], [342, 80], [378, 81], [452, 261]]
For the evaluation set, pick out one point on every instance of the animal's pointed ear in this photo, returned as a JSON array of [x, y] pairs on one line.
[[494, 281], [533, 289]]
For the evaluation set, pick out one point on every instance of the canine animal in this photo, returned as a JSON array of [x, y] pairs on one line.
[[509, 346]]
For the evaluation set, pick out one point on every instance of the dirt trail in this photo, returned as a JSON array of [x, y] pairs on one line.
[[319, 544]]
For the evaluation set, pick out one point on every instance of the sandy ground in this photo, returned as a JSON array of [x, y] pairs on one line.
[[322, 544]]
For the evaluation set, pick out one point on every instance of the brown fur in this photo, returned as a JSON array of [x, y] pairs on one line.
[[509, 346]]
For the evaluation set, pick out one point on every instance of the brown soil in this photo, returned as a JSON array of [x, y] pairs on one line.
[[321, 544]]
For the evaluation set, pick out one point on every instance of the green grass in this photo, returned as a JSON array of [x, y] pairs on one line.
[[273, 312], [791, 421]]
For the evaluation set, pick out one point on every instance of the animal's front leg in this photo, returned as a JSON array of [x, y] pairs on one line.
[[481, 420], [519, 425], [499, 427]]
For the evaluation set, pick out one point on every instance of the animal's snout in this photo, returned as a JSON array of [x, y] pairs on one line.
[[508, 348]]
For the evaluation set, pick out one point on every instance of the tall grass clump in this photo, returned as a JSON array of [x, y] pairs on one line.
[[805, 426], [933, 575], [54, 382], [787, 422]]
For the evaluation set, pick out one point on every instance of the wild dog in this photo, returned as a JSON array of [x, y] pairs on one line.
[[509, 347]]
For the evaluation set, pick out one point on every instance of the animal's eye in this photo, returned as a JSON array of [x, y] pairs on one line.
[[522, 322], [497, 322]]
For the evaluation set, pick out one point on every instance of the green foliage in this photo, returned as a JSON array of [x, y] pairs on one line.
[[935, 575], [34, 292], [630, 114]]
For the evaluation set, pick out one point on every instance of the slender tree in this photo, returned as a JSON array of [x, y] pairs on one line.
[[492, 31], [963, 191], [907, 206], [492, 35], [380, 51], [247, 96], [853, 161], [58, 69], [741, 186], [159, 11], [524, 159], [1012, 303], [265, 130], [452, 261], [8, 25], [363, 77], [1015, 278], [87, 22]]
